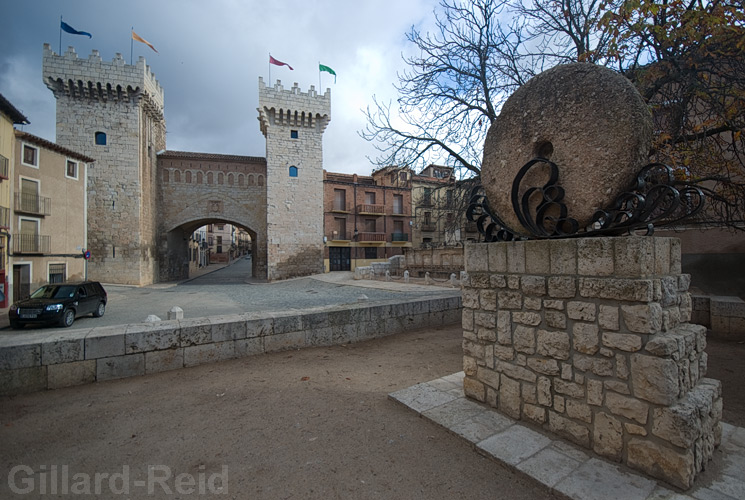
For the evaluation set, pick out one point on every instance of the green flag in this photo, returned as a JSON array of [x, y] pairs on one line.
[[321, 67]]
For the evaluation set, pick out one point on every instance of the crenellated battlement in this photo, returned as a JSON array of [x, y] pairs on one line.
[[92, 78], [293, 108]]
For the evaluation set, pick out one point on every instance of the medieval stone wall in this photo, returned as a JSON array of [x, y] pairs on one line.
[[293, 123], [589, 338], [195, 189]]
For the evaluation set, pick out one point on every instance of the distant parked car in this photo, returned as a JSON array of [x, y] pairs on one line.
[[60, 304]]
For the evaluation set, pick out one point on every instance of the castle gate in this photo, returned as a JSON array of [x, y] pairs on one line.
[[145, 201], [195, 189]]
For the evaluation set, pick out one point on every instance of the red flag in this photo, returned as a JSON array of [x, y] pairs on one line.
[[278, 63]]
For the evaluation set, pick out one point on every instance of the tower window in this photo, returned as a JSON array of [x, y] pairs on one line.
[[72, 169], [100, 139], [293, 134], [293, 171]]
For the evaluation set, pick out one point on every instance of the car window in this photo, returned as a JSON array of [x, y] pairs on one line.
[[54, 292], [91, 289]]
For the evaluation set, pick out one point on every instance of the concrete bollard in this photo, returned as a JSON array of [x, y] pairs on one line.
[[453, 280], [406, 276], [176, 313]]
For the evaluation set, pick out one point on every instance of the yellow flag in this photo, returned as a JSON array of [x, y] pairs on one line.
[[137, 37]]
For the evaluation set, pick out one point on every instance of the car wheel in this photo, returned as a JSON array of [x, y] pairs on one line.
[[100, 310], [67, 319]]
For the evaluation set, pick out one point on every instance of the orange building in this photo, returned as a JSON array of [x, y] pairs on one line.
[[366, 218]]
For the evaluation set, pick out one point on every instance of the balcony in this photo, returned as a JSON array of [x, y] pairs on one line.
[[32, 204], [4, 217], [399, 237], [371, 209], [429, 227], [342, 208], [339, 236], [375, 237], [32, 244]]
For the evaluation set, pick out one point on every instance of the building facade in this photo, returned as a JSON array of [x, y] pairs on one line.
[[366, 218], [9, 116], [49, 215]]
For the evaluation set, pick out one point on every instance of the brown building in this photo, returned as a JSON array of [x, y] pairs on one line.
[[366, 218]]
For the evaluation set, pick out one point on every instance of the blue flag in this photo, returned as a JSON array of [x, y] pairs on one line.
[[69, 29]]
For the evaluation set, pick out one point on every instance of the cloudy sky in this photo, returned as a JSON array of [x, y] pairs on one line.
[[211, 55]]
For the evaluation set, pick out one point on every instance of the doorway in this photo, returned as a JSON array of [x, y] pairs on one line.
[[21, 281], [340, 259]]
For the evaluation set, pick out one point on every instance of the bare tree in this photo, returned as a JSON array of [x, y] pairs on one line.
[[480, 52]]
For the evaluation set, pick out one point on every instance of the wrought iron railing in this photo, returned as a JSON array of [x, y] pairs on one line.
[[339, 236], [32, 204], [429, 226], [31, 243], [371, 209], [399, 237]]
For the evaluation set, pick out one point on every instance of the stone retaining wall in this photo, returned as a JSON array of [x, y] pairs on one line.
[[724, 316], [589, 339], [84, 356]]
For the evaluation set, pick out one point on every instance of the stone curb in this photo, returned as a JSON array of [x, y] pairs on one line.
[[566, 470]]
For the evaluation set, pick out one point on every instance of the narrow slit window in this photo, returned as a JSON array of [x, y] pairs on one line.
[[293, 171], [100, 139], [293, 134]]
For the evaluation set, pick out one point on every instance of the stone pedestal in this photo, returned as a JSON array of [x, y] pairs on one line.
[[589, 338]]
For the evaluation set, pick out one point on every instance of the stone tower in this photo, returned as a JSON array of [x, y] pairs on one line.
[[293, 123], [113, 112]]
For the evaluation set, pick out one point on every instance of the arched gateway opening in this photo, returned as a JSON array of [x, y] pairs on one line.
[[205, 243], [197, 190]]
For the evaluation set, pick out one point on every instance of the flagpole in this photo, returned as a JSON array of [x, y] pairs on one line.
[[131, 45], [319, 76], [60, 35], [270, 70]]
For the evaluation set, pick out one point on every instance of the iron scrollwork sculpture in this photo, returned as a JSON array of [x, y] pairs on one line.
[[655, 199]]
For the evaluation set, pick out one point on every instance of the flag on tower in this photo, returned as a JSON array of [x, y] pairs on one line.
[[278, 63], [137, 37], [69, 29], [321, 67]]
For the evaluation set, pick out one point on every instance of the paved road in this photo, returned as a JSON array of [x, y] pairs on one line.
[[232, 290]]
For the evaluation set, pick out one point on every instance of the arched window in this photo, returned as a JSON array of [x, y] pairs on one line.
[[261, 180], [241, 180], [177, 176], [250, 179], [100, 138], [220, 178], [199, 177], [209, 177], [293, 171], [165, 175], [230, 179], [188, 177]]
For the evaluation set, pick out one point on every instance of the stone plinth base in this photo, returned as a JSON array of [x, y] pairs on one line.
[[589, 339]]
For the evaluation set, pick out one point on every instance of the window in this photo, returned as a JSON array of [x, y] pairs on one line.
[[30, 201], [403, 176], [427, 218], [219, 244], [369, 198], [57, 273], [449, 197], [72, 169], [100, 139], [370, 225], [427, 199], [340, 233], [30, 156], [293, 171], [220, 227], [340, 199], [371, 253], [398, 204], [398, 227], [293, 134]]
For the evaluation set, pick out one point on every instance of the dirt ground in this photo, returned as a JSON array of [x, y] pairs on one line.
[[313, 423]]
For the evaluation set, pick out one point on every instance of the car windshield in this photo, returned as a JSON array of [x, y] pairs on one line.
[[54, 292]]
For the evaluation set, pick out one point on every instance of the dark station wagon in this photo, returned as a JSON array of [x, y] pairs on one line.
[[60, 304]]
